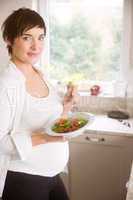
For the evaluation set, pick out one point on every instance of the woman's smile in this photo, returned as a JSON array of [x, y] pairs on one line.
[[33, 54]]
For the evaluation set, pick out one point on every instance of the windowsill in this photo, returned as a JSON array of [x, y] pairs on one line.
[[102, 95], [114, 90]]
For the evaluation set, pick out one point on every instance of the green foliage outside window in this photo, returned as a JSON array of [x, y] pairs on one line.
[[77, 51]]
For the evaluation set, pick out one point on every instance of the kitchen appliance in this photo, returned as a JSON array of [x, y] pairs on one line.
[[116, 114]]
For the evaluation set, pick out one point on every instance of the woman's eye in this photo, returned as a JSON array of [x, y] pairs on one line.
[[41, 38], [26, 38]]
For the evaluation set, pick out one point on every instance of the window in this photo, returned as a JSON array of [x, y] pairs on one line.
[[85, 39]]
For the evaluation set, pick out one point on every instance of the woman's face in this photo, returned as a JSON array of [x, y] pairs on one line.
[[28, 47]]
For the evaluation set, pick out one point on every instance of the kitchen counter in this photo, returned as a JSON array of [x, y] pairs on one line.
[[105, 146], [105, 125]]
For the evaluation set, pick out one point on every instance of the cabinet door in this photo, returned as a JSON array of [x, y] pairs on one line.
[[97, 169]]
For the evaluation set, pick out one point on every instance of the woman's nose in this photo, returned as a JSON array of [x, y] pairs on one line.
[[34, 45]]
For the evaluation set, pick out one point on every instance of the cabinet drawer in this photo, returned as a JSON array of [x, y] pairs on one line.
[[104, 139]]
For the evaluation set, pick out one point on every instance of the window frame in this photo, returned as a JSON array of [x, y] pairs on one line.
[[121, 83]]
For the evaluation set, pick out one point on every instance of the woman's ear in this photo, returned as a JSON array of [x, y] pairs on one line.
[[8, 42], [9, 45]]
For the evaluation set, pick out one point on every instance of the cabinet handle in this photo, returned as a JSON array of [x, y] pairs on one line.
[[92, 139]]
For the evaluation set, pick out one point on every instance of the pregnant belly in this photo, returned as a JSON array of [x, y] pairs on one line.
[[49, 158]]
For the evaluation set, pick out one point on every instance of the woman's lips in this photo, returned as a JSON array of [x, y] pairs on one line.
[[33, 54]]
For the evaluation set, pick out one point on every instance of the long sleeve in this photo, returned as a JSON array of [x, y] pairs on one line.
[[19, 143], [23, 144], [6, 145]]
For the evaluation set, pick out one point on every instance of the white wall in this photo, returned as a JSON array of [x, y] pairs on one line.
[[6, 8]]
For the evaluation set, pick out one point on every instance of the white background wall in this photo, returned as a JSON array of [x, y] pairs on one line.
[[6, 8]]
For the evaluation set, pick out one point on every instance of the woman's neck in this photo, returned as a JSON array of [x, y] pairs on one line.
[[26, 68]]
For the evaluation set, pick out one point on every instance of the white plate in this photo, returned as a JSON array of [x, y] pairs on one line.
[[75, 133]]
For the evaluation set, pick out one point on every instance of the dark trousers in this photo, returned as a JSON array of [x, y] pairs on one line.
[[22, 186]]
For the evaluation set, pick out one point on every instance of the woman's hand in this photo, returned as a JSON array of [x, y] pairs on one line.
[[43, 138], [70, 98]]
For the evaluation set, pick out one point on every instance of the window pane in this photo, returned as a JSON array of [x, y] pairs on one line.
[[85, 39]]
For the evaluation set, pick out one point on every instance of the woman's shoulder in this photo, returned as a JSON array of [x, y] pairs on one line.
[[10, 84], [8, 77]]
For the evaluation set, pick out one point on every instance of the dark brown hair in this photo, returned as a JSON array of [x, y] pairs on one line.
[[19, 21]]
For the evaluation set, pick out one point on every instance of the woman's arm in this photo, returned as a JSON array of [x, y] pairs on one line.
[[43, 138], [6, 143], [18, 144], [70, 98]]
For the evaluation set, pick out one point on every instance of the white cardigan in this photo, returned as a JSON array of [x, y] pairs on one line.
[[12, 96]]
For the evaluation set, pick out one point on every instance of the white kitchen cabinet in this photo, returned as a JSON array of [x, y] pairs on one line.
[[99, 167]]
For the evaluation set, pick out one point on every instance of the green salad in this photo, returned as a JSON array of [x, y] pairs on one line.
[[69, 124]]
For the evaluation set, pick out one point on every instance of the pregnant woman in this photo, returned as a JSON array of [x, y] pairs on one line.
[[30, 159]]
